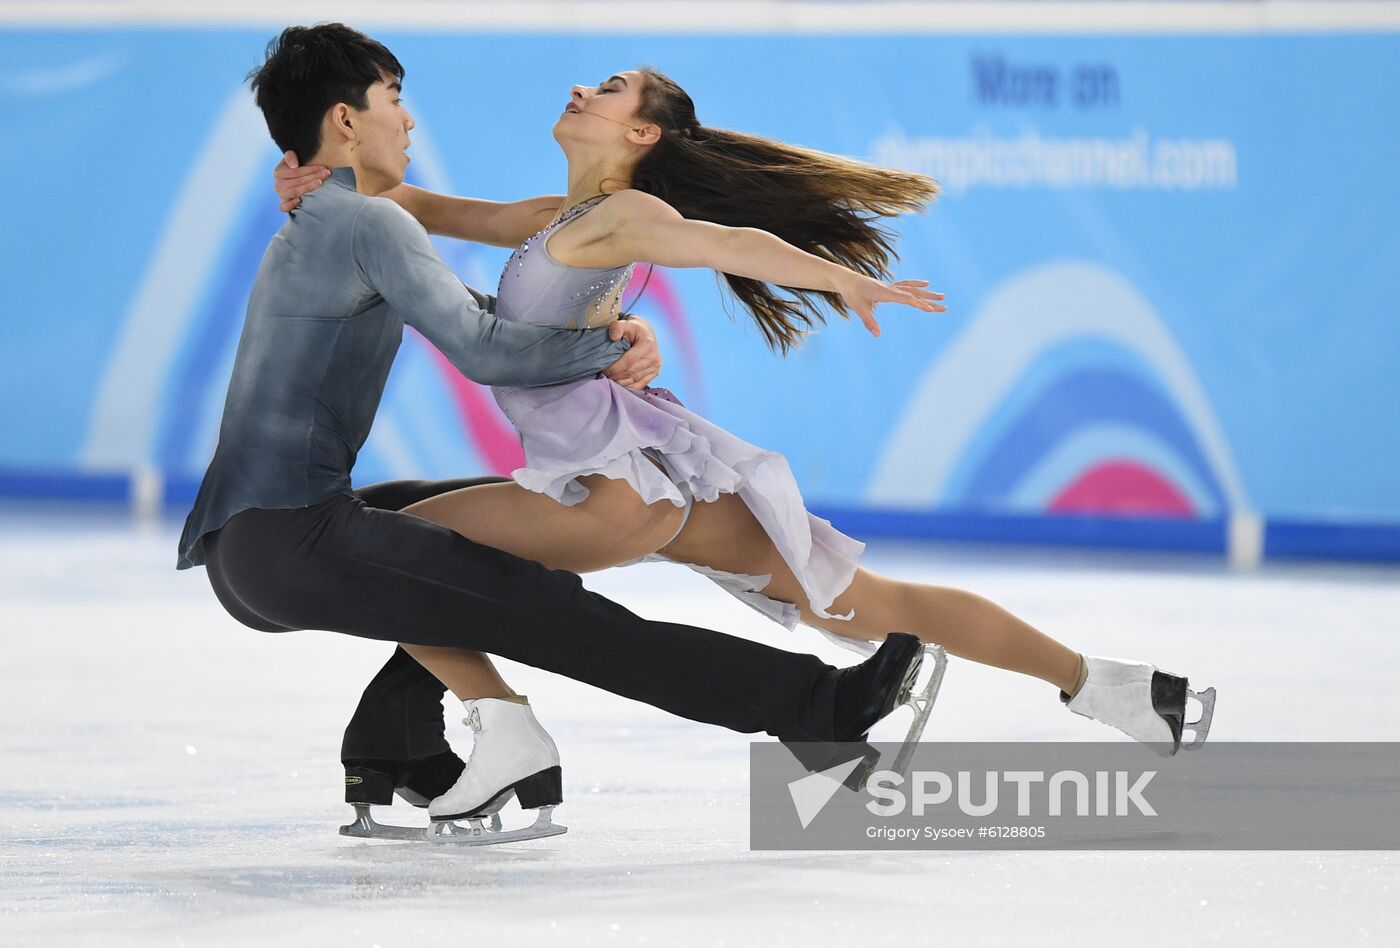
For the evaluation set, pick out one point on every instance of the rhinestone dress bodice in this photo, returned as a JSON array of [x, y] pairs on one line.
[[535, 288]]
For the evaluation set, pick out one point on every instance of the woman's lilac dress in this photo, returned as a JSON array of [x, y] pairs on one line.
[[596, 426]]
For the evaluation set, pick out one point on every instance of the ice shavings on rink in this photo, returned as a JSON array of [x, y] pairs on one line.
[[173, 778]]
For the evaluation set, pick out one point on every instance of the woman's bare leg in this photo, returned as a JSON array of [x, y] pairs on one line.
[[610, 527], [613, 526], [466, 673], [724, 535]]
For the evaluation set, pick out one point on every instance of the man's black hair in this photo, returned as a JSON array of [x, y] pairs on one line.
[[308, 69]]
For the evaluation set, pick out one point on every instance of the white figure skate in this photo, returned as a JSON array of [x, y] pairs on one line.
[[1146, 704], [512, 756]]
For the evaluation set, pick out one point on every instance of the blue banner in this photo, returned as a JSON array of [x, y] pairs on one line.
[[1170, 263]]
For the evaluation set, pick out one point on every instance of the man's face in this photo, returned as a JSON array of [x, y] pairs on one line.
[[381, 132]]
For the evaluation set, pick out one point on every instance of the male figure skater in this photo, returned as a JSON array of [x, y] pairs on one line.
[[288, 545]]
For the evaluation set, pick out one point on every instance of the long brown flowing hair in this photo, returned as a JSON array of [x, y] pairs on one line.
[[825, 204]]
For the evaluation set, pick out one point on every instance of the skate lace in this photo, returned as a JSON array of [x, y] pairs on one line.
[[473, 721]]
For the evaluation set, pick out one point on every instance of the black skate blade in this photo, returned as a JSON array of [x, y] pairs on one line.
[[1200, 727]]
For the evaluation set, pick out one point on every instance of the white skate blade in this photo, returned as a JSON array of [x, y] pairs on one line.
[[1201, 726], [922, 703], [452, 833], [365, 827]]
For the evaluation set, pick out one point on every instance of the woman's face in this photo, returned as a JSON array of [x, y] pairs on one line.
[[603, 114]]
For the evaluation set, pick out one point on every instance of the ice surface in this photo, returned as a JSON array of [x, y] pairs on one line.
[[170, 777]]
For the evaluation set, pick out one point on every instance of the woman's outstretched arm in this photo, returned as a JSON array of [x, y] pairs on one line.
[[632, 226], [498, 223]]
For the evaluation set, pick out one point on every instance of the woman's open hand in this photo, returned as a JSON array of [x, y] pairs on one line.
[[862, 294], [291, 180]]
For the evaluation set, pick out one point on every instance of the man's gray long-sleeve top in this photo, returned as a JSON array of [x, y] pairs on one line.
[[325, 320]]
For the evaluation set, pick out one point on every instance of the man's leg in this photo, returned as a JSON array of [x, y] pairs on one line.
[[399, 717], [379, 574]]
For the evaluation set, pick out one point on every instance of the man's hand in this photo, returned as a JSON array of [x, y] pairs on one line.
[[641, 363], [291, 180]]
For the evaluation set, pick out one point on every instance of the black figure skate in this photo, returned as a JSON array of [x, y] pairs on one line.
[[376, 782]]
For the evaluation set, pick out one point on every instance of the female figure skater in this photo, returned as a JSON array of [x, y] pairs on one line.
[[615, 475]]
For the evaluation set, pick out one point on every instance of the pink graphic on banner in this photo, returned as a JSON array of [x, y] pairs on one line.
[[482, 422], [662, 292], [1122, 487]]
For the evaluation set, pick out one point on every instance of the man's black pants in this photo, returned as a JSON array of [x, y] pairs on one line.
[[346, 565], [399, 716]]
